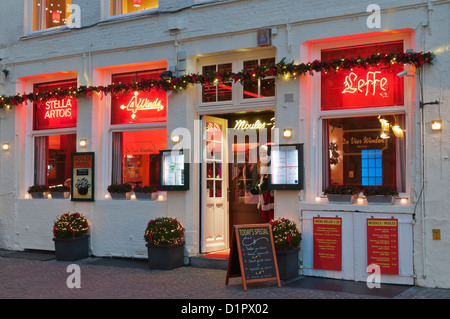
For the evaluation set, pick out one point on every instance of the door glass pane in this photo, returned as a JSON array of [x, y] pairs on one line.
[[218, 170], [218, 188], [209, 170]]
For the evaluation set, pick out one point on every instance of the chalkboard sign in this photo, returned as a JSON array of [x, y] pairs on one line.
[[252, 254]]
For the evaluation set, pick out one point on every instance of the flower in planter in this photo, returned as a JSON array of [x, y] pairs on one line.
[[380, 190], [343, 189], [286, 235], [119, 188], [144, 189], [37, 189], [164, 231], [70, 226], [59, 189]]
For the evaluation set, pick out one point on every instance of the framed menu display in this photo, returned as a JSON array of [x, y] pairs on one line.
[[174, 170], [82, 181], [286, 167]]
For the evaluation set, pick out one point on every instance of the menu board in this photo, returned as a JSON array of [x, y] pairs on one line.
[[252, 254], [327, 243], [82, 181], [174, 171], [382, 245], [286, 167]]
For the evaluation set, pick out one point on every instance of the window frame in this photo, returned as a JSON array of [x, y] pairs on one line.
[[237, 96], [311, 87], [107, 146], [107, 6], [30, 17]]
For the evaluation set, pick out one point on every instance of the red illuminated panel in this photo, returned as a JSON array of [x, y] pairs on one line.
[[138, 106], [55, 113], [362, 87]]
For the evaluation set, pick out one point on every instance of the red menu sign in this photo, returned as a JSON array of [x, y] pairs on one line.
[[327, 243], [382, 244]]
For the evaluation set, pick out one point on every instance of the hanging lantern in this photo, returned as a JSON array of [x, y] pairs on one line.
[[137, 3], [56, 16]]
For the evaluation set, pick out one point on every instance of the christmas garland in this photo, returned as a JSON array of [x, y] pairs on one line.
[[281, 68]]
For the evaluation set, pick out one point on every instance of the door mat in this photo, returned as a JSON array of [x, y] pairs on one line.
[[224, 254], [353, 287], [31, 255]]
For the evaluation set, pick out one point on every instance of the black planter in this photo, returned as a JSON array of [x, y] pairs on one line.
[[146, 196], [35, 195], [118, 196], [71, 249], [287, 261], [165, 257], [57, 194]]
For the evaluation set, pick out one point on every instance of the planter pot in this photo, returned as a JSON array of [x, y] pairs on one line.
[[35, 195], [60, 194], [380, 199], [165, 257], [146, 196], [70, 249], [287, 261], [118, 196], [341, 199]]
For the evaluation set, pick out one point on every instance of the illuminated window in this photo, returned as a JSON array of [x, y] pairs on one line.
[[50, 13], [136, 157], [52, 158], [359, 155], [261, 88], [117, 7], [362, 87], [135, 153], [216, 91], [52, 152]]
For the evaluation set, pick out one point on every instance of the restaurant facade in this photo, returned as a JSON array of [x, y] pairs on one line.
[[318, 97]]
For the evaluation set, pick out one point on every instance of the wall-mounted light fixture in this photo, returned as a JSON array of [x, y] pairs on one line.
[[83, 142], [166, 75], [5, 147], [175, 138], [56, 16], [436, 125], [287, 133]]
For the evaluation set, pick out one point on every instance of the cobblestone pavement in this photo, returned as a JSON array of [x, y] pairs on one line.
[[22, 278]]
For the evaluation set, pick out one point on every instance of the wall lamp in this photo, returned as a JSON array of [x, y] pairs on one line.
[[5, 147], [287, 133], [175, 138], [83, 142], [436, 125], [166, 75]]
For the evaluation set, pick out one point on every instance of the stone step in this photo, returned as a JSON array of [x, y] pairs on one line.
[[199, 261]]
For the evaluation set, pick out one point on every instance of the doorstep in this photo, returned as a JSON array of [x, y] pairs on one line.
[[200, 261]]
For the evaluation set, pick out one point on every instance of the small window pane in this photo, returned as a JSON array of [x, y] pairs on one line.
[[127, 6]]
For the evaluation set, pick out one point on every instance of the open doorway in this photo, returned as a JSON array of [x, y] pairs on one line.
[[232, 166]]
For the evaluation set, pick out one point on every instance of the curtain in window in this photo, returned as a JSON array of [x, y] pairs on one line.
[[40, 162], [325, 155], [400, 149], [116, 158]]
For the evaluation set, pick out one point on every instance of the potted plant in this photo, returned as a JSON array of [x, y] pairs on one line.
[[286, 240], [144, 192], [119, 191], [342, 193], [70, 237], [37, 191], [165, 245], [60, 191], [380, 194]]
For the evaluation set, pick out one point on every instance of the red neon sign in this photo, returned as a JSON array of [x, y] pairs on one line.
[[362, 87], [138, 106], [55, 113], [371, 83]]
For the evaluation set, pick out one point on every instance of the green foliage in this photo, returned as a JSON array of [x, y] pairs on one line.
[[70, 226], [380, 190], [164, 231], [343, 189], [286, 235], [37, 189], [144, 189], [119, 188]]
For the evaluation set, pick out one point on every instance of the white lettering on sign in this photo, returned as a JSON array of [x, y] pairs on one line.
[[370, 83], [245, 125], [138, 104], [58, 108]]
